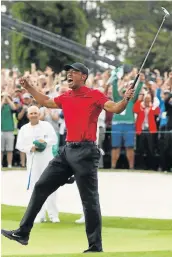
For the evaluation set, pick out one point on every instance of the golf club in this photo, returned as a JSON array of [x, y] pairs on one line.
[[166, 14]]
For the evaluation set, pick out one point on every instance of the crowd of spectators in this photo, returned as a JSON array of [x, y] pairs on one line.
[[138, 138]]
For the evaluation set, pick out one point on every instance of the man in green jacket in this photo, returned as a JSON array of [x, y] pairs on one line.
[[123, 124]]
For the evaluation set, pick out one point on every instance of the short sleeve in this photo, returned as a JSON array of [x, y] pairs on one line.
[[58, 101], [101, 99]]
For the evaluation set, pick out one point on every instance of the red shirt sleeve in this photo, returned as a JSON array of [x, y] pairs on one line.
[[101, 99], [58, 101]]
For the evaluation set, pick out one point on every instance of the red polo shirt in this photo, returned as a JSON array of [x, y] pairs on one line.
[[81, 109]]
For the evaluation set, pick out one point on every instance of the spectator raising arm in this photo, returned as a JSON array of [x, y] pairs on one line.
[[116, 95], [6, 99], [11, 104]]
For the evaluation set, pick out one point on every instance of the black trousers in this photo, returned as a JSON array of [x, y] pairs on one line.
[[162, 148], [145, 145], [165, 148], [82, 160]]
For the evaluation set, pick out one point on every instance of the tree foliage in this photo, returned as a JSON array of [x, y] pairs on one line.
[[64, 18], [138, 20], [144, 18], [135, 24]]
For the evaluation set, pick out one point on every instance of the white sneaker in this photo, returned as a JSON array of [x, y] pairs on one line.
[[55, 220], [39, 220], [9, 166], [81, 220]]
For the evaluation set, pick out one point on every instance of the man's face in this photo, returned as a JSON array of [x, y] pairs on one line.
[[27, 101], [33, 115], [75, 78]]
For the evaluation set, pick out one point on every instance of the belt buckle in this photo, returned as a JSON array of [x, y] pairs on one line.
[[77, 144]]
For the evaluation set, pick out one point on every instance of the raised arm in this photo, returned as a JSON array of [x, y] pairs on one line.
[[119, 107], [116, 95], [43, 100]]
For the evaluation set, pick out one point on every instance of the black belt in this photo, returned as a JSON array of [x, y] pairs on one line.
[[78, 144]]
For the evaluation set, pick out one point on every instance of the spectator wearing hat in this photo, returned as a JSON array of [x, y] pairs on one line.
[[22, 118], [123, 124], [7, 127], [19, 91]]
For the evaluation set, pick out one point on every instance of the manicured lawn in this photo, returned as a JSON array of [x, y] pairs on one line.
[[122, 237]]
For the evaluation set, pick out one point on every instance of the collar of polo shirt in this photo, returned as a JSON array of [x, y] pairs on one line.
[[79, 91]]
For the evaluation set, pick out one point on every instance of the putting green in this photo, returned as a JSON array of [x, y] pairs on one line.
[[122, 237]]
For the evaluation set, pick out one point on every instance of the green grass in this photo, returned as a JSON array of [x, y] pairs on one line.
[[122, 237], [13, 168], [124, 254]]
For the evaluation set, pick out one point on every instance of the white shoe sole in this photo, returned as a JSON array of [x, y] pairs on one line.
[[80, 221], [39, 221]]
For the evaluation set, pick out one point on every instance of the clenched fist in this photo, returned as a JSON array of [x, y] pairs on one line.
[[24, 82], [129, 94]]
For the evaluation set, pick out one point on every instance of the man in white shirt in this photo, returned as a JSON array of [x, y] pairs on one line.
[[36, 139]]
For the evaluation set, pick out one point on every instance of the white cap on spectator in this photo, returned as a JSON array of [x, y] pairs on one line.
[[16, 100], [151, 82], [166, 91], [26, 95]]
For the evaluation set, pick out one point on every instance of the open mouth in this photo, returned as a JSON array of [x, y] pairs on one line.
[[70, 81]]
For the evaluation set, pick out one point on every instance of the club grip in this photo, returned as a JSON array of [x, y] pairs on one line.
[[134, 83], [135, 80]]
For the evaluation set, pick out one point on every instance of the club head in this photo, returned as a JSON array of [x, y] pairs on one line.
[[165, 11]]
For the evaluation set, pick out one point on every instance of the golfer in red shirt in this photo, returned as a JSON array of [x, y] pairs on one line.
[[79, 157]]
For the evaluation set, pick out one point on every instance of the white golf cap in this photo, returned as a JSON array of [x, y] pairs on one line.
[[26, 95]]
